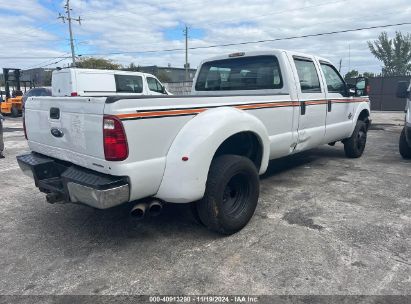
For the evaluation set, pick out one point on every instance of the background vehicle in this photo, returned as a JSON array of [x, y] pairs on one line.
[[208, 148], [89, 82], [36, 92], [403, 91], [12, 101]]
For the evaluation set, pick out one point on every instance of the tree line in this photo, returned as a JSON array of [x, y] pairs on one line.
[[394, 54]]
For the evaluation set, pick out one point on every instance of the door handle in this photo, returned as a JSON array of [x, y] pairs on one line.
[[303, 107], [329, 105]]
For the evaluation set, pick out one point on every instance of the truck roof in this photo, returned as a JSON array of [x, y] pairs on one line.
[[98, 71], [262, 53]]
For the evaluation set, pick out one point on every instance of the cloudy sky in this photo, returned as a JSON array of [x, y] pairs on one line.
[[124, 31]]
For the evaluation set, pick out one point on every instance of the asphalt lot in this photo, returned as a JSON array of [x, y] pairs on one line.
[[325, 224]]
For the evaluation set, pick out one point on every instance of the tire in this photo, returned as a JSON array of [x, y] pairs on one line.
[[355, 145], [231, 194], [14, 112], [405, 149]]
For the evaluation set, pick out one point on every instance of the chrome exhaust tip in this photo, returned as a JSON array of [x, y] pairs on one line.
[[138, 211], [155, 208]]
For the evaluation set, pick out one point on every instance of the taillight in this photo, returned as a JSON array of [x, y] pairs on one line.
[[115, 140], [24, 125], [73, 94]]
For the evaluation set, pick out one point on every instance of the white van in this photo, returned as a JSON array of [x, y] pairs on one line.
[[91, 82]]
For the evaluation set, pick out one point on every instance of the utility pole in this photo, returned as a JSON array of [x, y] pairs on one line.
[[69, 19], [339, 69], [186, 65], [349, 57]]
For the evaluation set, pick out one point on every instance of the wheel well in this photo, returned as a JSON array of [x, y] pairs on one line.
[[245, 144], [364, 117]]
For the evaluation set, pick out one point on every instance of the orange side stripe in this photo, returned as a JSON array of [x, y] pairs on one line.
[[145, 114], [161, 113]]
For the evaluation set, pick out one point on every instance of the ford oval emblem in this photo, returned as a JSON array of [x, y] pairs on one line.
[[56, 132]]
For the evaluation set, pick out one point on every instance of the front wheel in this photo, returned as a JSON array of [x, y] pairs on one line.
[[231, 194], [405, 149], [355, 145]]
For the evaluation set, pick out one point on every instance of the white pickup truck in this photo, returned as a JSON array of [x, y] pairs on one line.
[[209, 147]]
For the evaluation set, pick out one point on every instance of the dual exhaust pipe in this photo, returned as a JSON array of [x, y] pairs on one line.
[[152, 208], [139, 211]]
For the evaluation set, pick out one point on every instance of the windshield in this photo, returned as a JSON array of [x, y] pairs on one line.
[[246, 73]]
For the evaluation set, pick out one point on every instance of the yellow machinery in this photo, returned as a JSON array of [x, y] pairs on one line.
[[12, 103]]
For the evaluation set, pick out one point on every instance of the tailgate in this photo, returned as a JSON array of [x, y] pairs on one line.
[[67, 128]]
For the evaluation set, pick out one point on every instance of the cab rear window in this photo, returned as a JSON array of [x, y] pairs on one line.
[[246, 73]]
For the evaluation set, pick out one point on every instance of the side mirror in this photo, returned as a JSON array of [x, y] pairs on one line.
[[362, 88], [350, 89], [402, 89], [164, 90]]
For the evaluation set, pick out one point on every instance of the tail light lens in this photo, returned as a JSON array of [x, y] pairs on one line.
[[73, 94], [115, 140]]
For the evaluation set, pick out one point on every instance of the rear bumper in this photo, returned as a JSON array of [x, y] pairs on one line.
[[73, 183]]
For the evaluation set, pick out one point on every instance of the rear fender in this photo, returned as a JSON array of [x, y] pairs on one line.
[[198, 140]]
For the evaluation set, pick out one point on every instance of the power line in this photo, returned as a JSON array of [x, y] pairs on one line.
[[226, 44], [252, 42], [44, 62], [53, 63]]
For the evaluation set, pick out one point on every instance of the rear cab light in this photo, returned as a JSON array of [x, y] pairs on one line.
[[114, 139]]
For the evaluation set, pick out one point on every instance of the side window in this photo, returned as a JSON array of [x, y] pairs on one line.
[[129, 84], [154, 85], [335, 84], [308, 76]]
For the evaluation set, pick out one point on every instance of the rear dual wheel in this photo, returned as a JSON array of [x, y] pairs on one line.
[[231, 194]]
